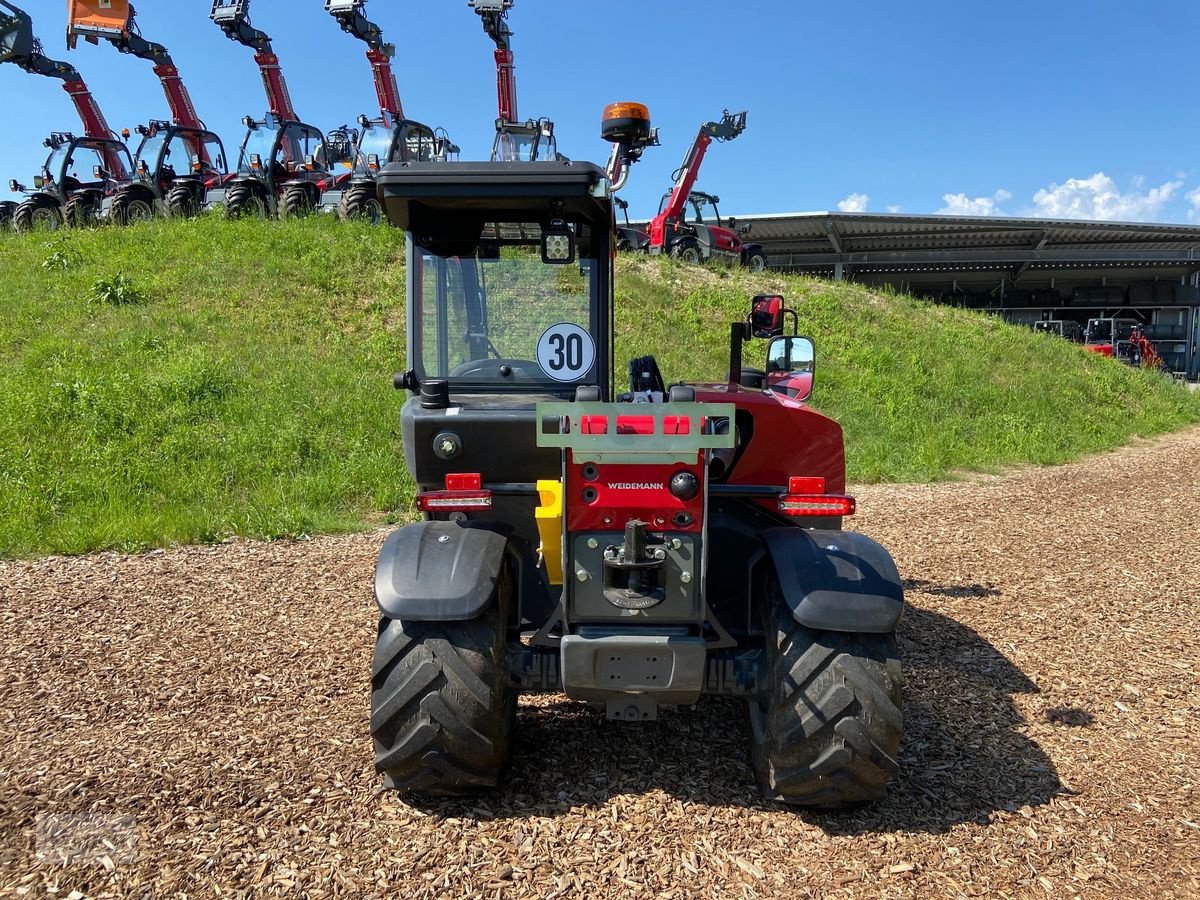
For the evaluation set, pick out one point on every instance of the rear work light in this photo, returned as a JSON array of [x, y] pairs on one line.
[[807, 497], [463, 493]]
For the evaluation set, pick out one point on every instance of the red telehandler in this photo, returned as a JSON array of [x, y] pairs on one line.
[[67, 190], [516, 141], [694, 242], [282, 163], [157, 185], [387, 139]]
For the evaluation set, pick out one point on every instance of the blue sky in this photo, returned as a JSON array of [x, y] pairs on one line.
[[1079, 108]]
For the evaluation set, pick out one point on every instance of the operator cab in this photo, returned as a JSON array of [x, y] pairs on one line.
[[276, 149], [533, 141], [168, 152]]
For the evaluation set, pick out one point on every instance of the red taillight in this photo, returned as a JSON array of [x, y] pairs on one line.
[[807, 497], [464, 492]]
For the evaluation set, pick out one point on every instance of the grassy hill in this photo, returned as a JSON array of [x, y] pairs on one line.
[[184, 382]]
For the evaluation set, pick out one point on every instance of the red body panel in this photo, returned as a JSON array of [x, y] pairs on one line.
[[725, 240], [624, 492], [1102, 349], [790, 439]]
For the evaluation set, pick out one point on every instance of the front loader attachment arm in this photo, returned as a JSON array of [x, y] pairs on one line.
[[494, 14], [349, 16], [19, 46], [233, 18], [116, 22]]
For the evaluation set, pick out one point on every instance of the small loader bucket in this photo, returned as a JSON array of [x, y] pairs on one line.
[[16, 33], [94, 19]]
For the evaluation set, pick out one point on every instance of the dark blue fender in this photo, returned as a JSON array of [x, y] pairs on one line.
[[438, 572], [836, 580]]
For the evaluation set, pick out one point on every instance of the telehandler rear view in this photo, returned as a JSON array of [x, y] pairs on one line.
[[634, 549]]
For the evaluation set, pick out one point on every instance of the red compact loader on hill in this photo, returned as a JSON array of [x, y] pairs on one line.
[[635, 548], [516, 141], [68, 190], [283, 165], [176, 161], [697, 241], [387, 139]]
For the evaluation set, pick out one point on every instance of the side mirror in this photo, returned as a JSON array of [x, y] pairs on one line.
[[558, 244], [97, 172], [255, 161], [766, 316], [791, 365], [15, 186], [39, 182], [143, 167], [310, 162], [745, 229], [373, 162]]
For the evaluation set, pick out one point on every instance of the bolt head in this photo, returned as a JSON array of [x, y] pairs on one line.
[[592, 543], [685, 577], [582, 575]]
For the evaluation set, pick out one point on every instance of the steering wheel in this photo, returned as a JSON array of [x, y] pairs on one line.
[[490, 368]]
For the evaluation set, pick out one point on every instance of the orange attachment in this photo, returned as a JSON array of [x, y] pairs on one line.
[[626, 111], [92, 19]]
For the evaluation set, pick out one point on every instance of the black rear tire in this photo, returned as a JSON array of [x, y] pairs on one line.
[[7, 209], [829, 733], [756, 261], [361, 203], [442, 702], [688, 251], [38, 214], [244, 202], [81, 212], [128, 209], [181, 202], [296, 203]]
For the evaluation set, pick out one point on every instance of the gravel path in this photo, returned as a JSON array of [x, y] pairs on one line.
[[194, 721]]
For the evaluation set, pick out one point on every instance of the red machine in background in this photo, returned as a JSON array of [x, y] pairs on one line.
[[516, 141], [387, 139], [697, 241], [176, 161], [282, 164], [67, 190], [1103, 335]]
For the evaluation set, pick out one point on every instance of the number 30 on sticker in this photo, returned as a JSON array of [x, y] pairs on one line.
[[566, 352]]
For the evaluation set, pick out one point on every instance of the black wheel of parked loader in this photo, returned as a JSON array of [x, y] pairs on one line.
[[127, 209], [756, 261], [828, 734], [361, 203], [244, 202], [688, 251], [296, 203], [81, 212], [442, 702], [7, 208], [181, 202], [36, 214]]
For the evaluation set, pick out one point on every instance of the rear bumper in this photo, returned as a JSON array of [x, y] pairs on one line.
[[619, 668]]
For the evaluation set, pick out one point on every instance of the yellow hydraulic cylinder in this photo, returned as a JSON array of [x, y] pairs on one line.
[[549, 516]]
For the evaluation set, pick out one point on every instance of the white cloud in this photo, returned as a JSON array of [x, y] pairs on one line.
[[962, 205], [895, 209], [1098, 197], [854, 203], [1193, 197]]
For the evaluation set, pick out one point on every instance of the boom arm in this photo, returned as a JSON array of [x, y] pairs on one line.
[[730, 126], [494, 14], [379, 54], [91, 22], [18, 45], [233, 18]]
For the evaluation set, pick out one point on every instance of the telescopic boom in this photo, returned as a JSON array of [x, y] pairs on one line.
[[18, 45], [350, 17], [233, 18], [115, 21]]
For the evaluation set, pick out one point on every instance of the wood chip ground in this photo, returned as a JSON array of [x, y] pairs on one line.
[[194, 722]]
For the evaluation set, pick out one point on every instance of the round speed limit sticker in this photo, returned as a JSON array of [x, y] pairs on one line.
[[566, 352]]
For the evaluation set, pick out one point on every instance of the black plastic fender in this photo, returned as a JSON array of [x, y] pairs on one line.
[[438, 572], [836, 580]]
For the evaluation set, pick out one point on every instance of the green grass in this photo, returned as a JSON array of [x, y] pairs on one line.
[[186, 382]]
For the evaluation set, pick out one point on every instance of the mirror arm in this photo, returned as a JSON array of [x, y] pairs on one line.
[[739, 333]]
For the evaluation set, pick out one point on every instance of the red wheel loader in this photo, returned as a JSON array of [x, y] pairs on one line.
[[176, 161], [283, 164], [634, 555], [387, 139], [80, 171]]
